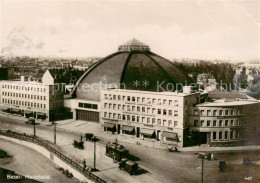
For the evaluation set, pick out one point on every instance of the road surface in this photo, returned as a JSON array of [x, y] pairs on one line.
[[162, 165], [26, 161]]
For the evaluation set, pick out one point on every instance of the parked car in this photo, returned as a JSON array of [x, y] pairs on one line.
[[89, 136], [30, 121], [222, 166], [79, 145], [129, 166]]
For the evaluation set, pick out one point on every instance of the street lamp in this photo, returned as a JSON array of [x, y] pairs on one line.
[[54, 123], [94, 140], [202, 156], [34, 129]]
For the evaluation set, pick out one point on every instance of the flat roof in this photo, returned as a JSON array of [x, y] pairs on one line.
[[179, 94], [224, 102], [24, 82]]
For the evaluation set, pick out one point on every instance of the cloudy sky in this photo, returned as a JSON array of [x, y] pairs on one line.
[[205, 29]]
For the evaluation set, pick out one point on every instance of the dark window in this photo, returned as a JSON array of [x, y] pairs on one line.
[[94, 106], [86, 105], [220, 135], [226, 122], [80, 104], [196, 122], [214, 135], [226, 134]]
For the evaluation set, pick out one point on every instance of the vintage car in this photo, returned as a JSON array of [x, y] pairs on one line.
[[222, 166], [129, 166], [30, 121], [78, 144], [89, 136]]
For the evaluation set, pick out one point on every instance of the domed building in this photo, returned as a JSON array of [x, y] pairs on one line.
[[135, 92], [133, 86], [132, 67]]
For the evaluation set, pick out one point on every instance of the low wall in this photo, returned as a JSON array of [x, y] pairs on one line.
[[50, 156]]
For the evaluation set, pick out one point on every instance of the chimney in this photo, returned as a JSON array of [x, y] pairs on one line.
[[187, 89], [22, 78]]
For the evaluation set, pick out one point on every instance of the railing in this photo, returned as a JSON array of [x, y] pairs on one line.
[[40, 142]]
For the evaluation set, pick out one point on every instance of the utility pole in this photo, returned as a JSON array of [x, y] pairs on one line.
[[94, 140], [202, 156], [202, 163], [34, 130], [94, 155], [54, 132]]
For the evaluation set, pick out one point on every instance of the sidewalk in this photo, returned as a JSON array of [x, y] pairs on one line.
[[91, 127]]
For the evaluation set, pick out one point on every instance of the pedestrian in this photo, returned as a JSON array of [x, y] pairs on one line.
[[84, 164], [212, 156]]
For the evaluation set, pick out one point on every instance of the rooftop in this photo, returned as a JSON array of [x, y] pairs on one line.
[[225, 102], [167, 93]]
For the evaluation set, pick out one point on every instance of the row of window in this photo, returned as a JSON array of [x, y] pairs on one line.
[[141, 99], [16, 87], [220, 112], [148, 120], [21, 95], [148, 110], [217, 123], [88, 106], [225, 135], [23, 103]]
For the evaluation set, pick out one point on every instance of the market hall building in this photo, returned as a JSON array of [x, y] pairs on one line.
[[135, 92], [134, 69]]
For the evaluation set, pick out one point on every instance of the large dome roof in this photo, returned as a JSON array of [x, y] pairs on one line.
[[133, 67]]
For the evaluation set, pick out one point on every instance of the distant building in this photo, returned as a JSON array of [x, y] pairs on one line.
[[207, 82], [42, 100]]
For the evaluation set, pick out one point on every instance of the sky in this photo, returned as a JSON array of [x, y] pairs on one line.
[[196, 29]]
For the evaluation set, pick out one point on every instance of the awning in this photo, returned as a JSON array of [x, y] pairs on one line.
[[128, 128], [28, 112], [41, 114], [147, 131], [109, 125], [5, 109], [16, 110], [170, 135]]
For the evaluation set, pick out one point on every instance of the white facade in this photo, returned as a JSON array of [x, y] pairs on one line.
[[225, 121], [30, 98], [158, 115]]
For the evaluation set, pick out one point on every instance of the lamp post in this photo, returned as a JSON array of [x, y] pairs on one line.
[[202, 164], [54, 132], [34, 129], [202, 156], [94, 140]]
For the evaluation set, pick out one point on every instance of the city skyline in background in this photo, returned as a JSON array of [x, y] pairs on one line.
[[174, 29]]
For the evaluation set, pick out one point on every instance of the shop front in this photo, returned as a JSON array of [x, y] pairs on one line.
[[170, 136], [110, 127], [147, 133], [129, 130], [41, 115]]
